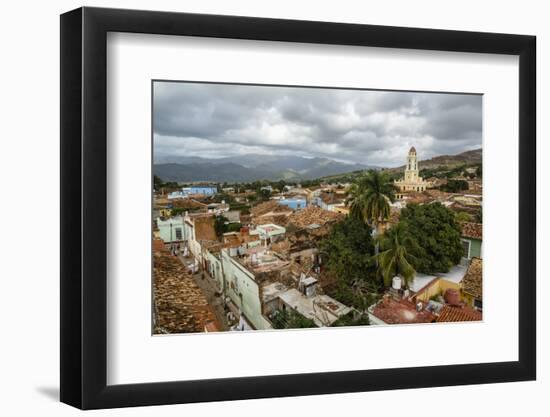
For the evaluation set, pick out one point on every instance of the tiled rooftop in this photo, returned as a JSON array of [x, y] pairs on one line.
[[401, 312], [271, 206], [456, 314], [472, 282], [472, 230], [314, 215], [180, 305]]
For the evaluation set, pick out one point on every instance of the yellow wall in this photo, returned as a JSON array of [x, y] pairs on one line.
[[343, 210], [165, 212], [468, 299], [437, 288]]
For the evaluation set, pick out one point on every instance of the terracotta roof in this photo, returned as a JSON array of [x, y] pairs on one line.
[[412, 150], [180, 305], [314, 215], [268, 207], [204, 228], [211, 327], [401, 312], [418, 197], [438, 194], [158, 245], [161, 201], [456, 314], [472, 282], [280, 219], [331, 198], [472, 230], [188, 203]]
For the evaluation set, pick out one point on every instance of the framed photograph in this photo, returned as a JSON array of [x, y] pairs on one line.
[[261, 208]]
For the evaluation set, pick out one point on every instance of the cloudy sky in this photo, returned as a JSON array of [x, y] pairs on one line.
[[368, 127]]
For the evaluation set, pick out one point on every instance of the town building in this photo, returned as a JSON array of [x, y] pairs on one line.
[[270, 232], [295, 203], [244, 274], [271, 212], [199, 227], [262, 271], [232, 216], [172, 229], [472, 239], [196, 190], [411, 181], [322, 309], [202, 190], [330, 200]]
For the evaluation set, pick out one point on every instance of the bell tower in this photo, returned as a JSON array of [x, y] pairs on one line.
[[411, 169]]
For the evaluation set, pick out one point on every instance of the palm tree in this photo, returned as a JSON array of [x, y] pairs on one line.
[[369, 197], [395, 256]]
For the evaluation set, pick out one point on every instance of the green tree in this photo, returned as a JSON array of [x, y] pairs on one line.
[[219, 197], [291, 319], [360, 296], [395, 257], [454, 186], [280, 185], [177, 211], [233, 227], [479, 171], [437, 234], [347, 251], [462, 216], [263, 194], [352, 320], [157, 182], [370, 195], [220, 225]]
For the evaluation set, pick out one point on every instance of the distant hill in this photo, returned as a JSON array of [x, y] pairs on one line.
[[249, 167], [465, 158]]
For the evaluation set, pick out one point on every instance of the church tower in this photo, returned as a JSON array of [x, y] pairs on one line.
[[411, 169], [412, 181]]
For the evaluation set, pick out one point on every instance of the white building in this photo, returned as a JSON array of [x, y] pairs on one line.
[[172, 229]]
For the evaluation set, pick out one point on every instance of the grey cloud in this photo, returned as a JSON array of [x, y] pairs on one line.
[[371, 127]]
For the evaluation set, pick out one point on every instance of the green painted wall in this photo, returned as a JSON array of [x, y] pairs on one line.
[[215, 268], [167, 229], [475, 248], [244, 292]]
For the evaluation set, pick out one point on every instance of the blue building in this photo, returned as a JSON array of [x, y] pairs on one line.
[[294, 203], [201, 189]]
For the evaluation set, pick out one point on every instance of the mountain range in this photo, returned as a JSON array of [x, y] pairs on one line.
[[450, 161], [254, 167], [250, 167]]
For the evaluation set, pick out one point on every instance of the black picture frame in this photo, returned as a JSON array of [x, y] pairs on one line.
[[84, 207]]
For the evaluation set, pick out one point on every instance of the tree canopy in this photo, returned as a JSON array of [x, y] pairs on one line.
[[291, 319], [370, 196], [348, 250], [220, 225], [454, 186], [434, 228], [396, 254]]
